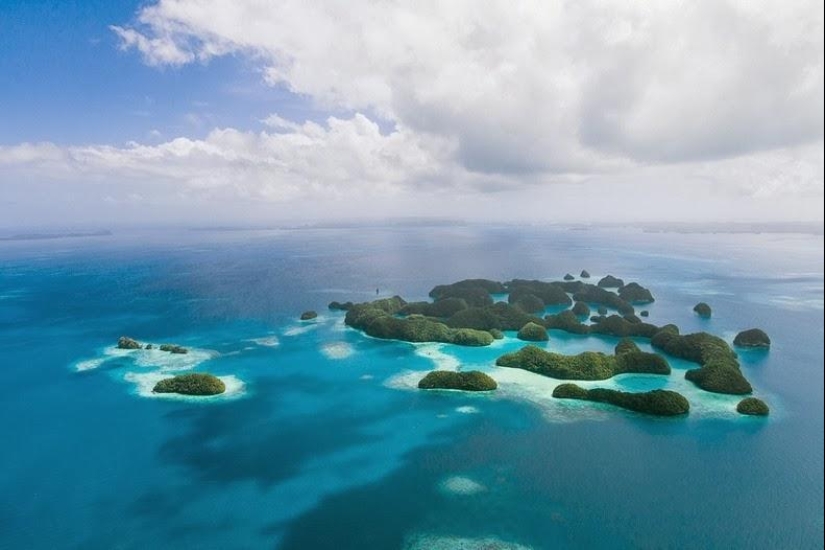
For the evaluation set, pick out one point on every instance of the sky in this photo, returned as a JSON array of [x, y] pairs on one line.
[[264, 112]]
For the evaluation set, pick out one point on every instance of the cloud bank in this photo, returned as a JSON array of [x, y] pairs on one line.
[[493, 97]]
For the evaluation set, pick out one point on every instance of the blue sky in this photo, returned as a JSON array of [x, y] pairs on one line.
[[240, 111], [67, 81]]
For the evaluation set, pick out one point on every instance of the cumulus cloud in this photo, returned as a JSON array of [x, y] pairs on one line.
[[488, 109], [544, 86], [345, 156]]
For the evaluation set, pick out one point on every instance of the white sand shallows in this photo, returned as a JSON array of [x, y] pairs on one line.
[[426, 541], [337, 350], [460, 485], [150, 358]]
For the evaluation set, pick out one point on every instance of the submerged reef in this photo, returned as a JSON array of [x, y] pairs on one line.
[[450, 380], [195, 383], [752, 338], [753, 407], [656, 402]]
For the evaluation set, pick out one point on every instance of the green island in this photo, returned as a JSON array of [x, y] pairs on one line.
[[656, 402], [703, 310], [474, 312], [195, 383], [588, 365], [752, 338], [473, 380], [308, 315], [752, 406], [124, 342], [719, 371], [533, 332]]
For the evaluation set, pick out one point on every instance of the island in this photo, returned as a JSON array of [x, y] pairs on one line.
[[476, 312], [752, 338], [568, 277], [124, 342], [202, 384], [473, 380], [173, 348], [581, 309], [719, 371], [584, 274], [308, 315], [655, 402], [588, 365], [752, 406], [609, 281], [533, 332], [702, 310]]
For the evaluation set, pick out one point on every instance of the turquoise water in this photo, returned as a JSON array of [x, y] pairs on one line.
[[323, 444]]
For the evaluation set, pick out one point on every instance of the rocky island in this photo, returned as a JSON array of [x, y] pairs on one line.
[[656, 402], [450, 380], [467, 313], [752, 338], [191, 384], [588, 365]]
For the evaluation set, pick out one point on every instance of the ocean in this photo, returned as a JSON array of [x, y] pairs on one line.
[[323, 441]]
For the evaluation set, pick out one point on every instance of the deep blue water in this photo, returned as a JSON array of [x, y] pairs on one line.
[[325, 447]]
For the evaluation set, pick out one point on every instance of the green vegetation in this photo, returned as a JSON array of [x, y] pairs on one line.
[[626, 345], [552, 294], [609, 281], [656, 402], [528, 303], [584, 274], [568, 277], [124, 342], [589, 365], [446, 307], [173, 348], [449, 380], [752, 338], [500, 315], [378, 319], [566, 320], [601, 310], [533, 332], [635, 293], [495, 333], [476, 292], [719, 372], [703, 310], [644, 313], [191, 384], [308, 315], [338, 306], [622, 327], [581, 309], [753, 406], [595, 295]]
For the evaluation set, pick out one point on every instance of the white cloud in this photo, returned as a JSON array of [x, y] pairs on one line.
[[534, 87], [346, 156]]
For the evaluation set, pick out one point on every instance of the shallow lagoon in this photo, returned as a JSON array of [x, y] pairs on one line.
[[323, 445]]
